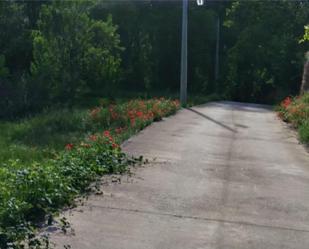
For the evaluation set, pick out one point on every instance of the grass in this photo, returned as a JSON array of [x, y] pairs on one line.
[[295, 110], [37, 137], [34, 138], [48, 159]]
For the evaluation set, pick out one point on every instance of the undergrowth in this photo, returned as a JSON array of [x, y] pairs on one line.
[[50, 159], [295, 110]]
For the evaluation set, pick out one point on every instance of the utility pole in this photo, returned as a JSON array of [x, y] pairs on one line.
[[217, 49], [184, 54]]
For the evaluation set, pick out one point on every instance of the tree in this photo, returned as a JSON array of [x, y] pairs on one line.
[[306, 34], [265, 60], [73, 54], [305, 80]]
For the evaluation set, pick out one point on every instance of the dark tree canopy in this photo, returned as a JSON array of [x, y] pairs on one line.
[[58, 52]]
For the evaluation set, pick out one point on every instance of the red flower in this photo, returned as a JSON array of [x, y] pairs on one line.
[[115, 146], [139, 114], [286, 102], [69, 146], [106, 134]]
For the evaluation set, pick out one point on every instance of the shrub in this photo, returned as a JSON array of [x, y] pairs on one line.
[[304, 132], [68, 64], [30, 192], [296, 111]]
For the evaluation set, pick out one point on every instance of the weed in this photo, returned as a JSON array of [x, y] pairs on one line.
[[49, 159]]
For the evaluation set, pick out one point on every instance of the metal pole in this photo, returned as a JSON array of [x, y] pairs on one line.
[[184, 54], [217, 49]]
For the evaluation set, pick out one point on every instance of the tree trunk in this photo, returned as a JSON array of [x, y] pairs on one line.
[[305, 82]]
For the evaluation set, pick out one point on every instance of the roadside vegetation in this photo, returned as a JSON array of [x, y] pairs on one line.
[[295, 110], [47, 160], [58, 59], [134, 46]]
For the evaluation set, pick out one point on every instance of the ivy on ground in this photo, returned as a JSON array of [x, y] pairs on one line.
[[30, 193]]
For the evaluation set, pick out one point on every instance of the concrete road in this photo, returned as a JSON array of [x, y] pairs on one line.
[[226, 176]]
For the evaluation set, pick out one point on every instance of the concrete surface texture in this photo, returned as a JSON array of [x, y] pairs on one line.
[[226, 176]]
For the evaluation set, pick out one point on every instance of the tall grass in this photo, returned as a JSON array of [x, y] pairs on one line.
[[34, 138]]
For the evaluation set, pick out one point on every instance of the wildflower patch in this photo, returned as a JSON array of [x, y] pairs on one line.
[[295, 110], [30, 193]]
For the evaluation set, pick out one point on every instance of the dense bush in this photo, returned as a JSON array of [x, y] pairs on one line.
[[265, 60], [54, 53], [296, 111], [29, 192], [72, 53]]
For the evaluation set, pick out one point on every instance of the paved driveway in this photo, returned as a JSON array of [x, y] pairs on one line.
[[226, 176]]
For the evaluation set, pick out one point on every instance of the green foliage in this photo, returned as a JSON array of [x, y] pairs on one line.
[[37, 177], [73, 54], [15, 46], [4, 72], [202, 99], [15, 39], [40, 130], [296, 112], [306, 34], [55, 128], [65, 52], [264, 60], [29, 192], [304, 132]]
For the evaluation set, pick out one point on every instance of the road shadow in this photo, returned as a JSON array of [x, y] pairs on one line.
[[212, 120]]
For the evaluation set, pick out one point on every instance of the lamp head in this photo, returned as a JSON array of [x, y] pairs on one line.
[[200, 2]]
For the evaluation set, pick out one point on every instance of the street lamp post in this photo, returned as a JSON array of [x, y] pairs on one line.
[[184, 52], [200, 2], [217, 49]]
